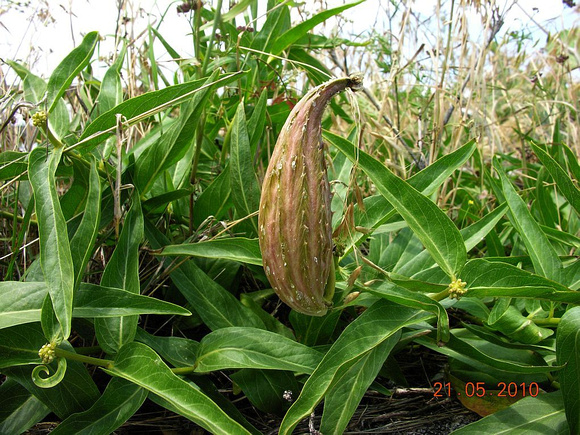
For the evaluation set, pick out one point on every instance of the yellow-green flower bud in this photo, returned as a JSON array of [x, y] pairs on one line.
[[47, 353], [39, 118], [457, 289]]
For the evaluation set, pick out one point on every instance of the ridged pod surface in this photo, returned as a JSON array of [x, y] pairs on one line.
[[294, 219]]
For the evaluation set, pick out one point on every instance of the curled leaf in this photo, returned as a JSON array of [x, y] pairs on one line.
[[49, 381]]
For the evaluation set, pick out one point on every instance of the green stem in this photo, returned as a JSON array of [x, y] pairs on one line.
[[216, 21], [8, 215], [550, 321], [83, 358], [440, 296], [183, 370], [195, 163]]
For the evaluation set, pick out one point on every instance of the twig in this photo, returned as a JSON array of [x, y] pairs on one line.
[[495, 28], [419, 160]]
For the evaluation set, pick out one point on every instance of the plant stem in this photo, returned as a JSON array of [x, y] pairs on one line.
[[440, 296], [216, 20], [183, 370], [550, 321], [107, 363]]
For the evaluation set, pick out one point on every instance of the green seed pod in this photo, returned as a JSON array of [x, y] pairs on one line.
[[294, 217]]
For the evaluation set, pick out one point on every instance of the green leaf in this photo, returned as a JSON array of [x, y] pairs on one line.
[[215, 199], [142, 366], [296, 32], [217, 307], [19, 410], [12, 164], [235, 249], [377, 324], [377, 209], [243, 182], [122, 272], [311, 330], [69, 68], [174, 143], [529, 416], [75, 393], [350, 385], [55, 254], [257, 121], [277, 23], [472, 235], [515, 325], [120, 400], [139, 108], [432, 226], [485, 278], [485, 358], [416, 300], [105, 302], [111, 91], [83, 241], [19, 345], [568, 354], [208, 388], [22, 303], [272, 323], [266, 388], [563, 181], [178, 351], [158, 204], [255, 349], [542, 253]]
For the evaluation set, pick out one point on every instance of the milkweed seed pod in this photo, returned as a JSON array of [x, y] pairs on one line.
[[294, 219]]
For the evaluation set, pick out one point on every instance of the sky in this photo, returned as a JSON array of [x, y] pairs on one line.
[[58, 25]]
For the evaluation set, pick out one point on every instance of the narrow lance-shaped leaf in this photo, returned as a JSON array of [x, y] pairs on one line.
[[217, 307], [531, 415], [472, 235], [19, 410], [256, 349], [243, 182], [432, 226], [377, 324], [235, 249], [83, 241], [257, 121], [173, 145], [69, 68], [568, 354], [122, 271], [563, 181], [350, 386], [142, 366], [377, 209], [120, 400], [215, 200], [111, 92], [22, 303], [55, 255], [542, 253], [416, 300], [139, 108], [296, 32]]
